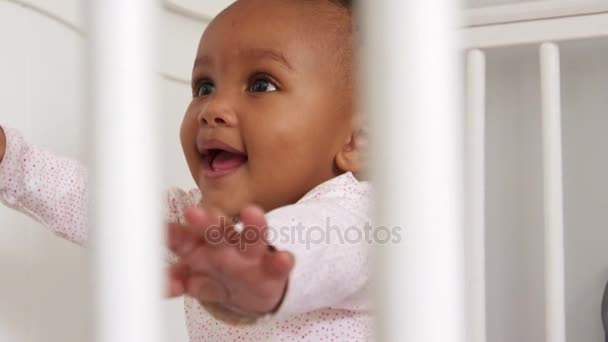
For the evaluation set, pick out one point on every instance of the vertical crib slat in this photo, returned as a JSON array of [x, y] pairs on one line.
[[411, 62], [555, 327], [475, 199], [127, 232]]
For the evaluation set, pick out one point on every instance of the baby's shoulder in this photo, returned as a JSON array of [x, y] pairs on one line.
[[344, 190], [343, 199]]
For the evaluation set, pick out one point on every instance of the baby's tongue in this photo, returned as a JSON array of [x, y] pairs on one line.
[[226, 160]]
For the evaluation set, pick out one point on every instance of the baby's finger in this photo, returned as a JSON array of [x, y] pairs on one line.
[[206, 289], [175, 288], [180, 240], [252, 240], [198, 219], [209, 224], [277, 264], [177, 274]]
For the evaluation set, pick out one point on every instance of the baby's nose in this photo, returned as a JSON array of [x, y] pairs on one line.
[[212, 118], [216, 120]]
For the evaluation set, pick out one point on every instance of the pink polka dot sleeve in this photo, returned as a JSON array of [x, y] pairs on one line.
[[53, 190], [325, 231]]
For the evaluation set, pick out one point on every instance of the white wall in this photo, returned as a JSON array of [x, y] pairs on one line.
[[44, 287]]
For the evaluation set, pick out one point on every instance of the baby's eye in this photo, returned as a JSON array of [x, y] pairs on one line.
[[205, 88], [261, 85]]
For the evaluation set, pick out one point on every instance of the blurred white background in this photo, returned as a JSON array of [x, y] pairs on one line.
[[44, 287]]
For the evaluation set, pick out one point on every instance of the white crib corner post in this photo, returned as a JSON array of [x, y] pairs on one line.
[[127, 234], [411, 59], [555, 327], [475, 196]]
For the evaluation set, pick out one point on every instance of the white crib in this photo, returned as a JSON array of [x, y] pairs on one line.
[[533, 256]]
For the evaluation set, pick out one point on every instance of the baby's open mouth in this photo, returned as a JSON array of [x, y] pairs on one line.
[[222, 160], [219, 158]]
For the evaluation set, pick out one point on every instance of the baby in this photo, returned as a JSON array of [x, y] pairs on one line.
[[272, 123]]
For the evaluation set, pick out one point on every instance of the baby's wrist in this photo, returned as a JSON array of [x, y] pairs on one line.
[[235, 316], [2, 144]]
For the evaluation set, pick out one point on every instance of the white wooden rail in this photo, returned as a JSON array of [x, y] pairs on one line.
[[555, 303], [411, 84], [127, 238], [475, 199], [532, 11]]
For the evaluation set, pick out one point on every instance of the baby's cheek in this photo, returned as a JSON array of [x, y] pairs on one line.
[[288, 151], [188, 131], [286, 161]]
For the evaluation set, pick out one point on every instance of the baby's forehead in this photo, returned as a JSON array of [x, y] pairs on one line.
[[280, 20], [290, 27]]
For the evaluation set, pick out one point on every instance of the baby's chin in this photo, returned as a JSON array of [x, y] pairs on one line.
[[230, 204]]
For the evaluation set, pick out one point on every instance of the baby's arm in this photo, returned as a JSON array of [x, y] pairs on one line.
[[51, 190]]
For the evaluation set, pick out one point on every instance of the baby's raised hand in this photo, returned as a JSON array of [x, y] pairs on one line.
[[219, 266]]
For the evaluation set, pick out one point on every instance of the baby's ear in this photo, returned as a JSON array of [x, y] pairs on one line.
[[353, 154]]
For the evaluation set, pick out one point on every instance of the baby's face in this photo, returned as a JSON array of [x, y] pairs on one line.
[[272, 103]]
